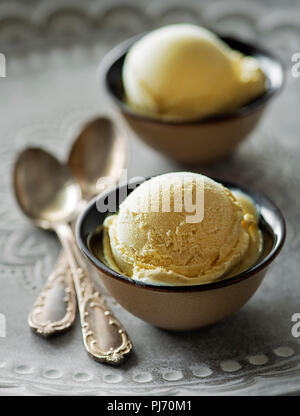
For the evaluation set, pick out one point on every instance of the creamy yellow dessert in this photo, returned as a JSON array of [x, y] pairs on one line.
[[183, 71], [156, 238]]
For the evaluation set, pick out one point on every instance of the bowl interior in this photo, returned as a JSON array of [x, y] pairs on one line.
[[88, 231], [111, 70]]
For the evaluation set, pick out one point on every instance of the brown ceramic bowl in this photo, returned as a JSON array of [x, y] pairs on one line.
[[197, 141], [183, 307]]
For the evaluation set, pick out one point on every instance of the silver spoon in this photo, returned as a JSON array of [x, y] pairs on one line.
[[99, 151], [49, 196]]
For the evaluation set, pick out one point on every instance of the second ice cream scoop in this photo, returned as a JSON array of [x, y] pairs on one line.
[[183, 71]]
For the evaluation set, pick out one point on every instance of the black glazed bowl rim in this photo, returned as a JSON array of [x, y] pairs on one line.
[[110, 75], [264, 206]]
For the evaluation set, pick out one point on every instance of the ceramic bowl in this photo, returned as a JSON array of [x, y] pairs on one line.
[[183, 307], [197, 141]]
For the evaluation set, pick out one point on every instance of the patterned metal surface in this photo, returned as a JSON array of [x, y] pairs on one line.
[[50, 87]]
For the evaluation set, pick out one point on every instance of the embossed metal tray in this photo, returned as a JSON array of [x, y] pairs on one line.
[[52, 52]]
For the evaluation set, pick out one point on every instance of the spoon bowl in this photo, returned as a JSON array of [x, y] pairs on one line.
[[98, 152], [45, 200]]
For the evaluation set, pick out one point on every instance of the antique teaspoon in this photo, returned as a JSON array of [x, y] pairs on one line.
[[49, 196], [99, 151]]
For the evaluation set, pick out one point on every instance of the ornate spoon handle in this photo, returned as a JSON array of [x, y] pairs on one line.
[[104, 337], [55, 308]]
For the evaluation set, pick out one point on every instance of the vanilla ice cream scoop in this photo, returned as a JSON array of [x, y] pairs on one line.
[[180, 228], [183, 71]]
